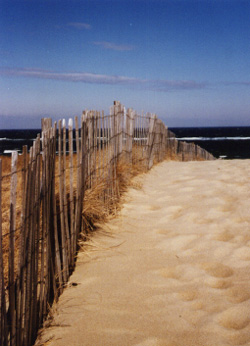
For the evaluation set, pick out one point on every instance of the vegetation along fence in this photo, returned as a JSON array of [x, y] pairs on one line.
[[43, 198]]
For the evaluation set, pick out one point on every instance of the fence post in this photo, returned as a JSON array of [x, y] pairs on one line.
[[78, 185], [56, 255], [3, 314], [62, 223], [12, 293], [130, 131], [71, 201], [112, 149], [84, 164], [150, 140], [120, 130]]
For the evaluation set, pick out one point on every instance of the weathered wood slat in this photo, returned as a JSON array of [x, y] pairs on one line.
[[43, 231], [3, 314], [65, 268], [35, 321], [65, 201], [78, 186], [71, 200], [21, 263], [150, 141], [84, 163], [58, 264], [12, 298]]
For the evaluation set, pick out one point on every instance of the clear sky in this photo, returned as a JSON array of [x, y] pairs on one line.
[[188, 61]]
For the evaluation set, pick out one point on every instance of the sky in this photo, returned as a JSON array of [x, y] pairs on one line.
[[188, 61]]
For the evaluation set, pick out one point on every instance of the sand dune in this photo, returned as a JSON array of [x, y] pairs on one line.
[[172, 270]]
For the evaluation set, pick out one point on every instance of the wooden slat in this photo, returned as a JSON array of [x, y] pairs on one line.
[[46, 210], [3, 313], [112, 151], [12, 300], [95, 123], [43, 269], [99, 125], [90, 147], [84, 163], [71, 201], [23, 273], [150, 141], [35, 320], [78, 186], [20, 296], [103, 145], [30, 307], [51, 277], [65, 202], [62, 224], [58, 265], [120, 130]]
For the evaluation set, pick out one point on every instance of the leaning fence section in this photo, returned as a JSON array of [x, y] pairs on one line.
[[42, 203]]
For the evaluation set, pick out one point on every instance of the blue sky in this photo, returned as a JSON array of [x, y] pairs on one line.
[[185, 60]]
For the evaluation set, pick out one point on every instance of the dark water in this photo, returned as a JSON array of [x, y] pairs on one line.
[[16, 139], [226, 142]]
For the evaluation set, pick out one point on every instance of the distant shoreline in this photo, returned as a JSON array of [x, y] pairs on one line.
[[222, 142]]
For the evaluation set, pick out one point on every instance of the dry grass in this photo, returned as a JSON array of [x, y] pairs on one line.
[[94, 208], [6, 183], [99, 205], [99, 200]]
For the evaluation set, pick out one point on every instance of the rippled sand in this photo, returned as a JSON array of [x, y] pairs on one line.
[[172, 270]]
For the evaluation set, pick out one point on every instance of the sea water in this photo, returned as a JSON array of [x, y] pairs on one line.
[[15, 139], [222, 142]]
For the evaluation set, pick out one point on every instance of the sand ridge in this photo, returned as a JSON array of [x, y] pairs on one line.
[[172, 270]]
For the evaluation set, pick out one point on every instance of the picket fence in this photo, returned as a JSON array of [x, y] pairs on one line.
[[38, 250]]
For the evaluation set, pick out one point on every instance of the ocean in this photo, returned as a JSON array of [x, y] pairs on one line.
[[222, 142], [15, 139]]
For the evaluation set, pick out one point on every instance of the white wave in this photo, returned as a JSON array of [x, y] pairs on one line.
[[190, 139], [213, 138], [10, 151], [13, 139]]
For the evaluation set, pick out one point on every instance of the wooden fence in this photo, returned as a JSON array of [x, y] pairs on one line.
[[39, 239]]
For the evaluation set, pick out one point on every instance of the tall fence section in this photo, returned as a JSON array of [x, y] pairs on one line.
[[42, 203]]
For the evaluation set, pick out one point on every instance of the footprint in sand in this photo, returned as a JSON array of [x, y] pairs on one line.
[[155, 207], [164, 231], [237, 317], [178, 242], [217, 270], [238, 294], [218, 283], [182, 272], [173, 211], [243, 253], [239, 337], [187, 189], [171, 273], [156, 342], [225, 236], [188, 295]]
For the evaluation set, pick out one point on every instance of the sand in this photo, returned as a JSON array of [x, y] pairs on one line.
[[173, 269]]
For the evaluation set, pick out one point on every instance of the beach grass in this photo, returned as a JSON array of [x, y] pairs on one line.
[[98, 202]]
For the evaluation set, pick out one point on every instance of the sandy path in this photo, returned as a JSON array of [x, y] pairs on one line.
[[174, 267]]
